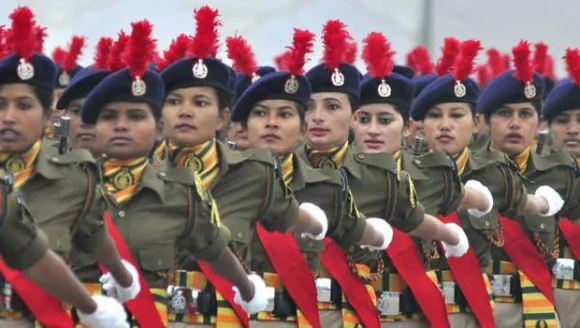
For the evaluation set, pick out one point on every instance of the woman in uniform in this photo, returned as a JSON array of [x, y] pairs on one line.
[[562, 112], [156, 213], [247, 186], [57, 190], [446, 108], [510, 105], [272, 112]]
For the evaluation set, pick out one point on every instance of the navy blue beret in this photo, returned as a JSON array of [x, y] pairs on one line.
[[401, 92], [118, 86], [189, 72], [421, 81], [321, 80], [564, 96], [243, 81], [506, 89], [444, 90], [63, 78], [406, 71], [81, 84], [278, 85], [43, 71]]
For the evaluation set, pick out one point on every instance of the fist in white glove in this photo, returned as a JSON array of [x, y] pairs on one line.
[[259, 301], [477, 186], [384, 228], [115, 290], [461, 248], [317, 214], [553, 198], [109, 314]]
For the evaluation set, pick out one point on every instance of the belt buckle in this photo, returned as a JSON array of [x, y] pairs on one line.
[[323, 287], [182, 299], [501, 285], [389, 303], [449, 292], [564, 269], [270, 295]]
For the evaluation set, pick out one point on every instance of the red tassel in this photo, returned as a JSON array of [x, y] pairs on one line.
[[450, 50], [572, 59], [178, 49], [424, 65], [524, 71], [39, 37], [74, 52], [206, 40], [378, 55], [495, 62], [465, 61], [335, 39], [140, 48], [115, 62], [58, 55], [550, 68], [283, 60], [22, 32], [483, 75], [302, 43], [242, 56], [350, 53], [103, 51], [540, 58]]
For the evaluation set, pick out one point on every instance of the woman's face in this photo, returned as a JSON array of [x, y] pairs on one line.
[[126, 130], [513, 127], [80, 135], [275, 125], [449, 127], [56, 113], [566, 131], [328, 120], [191, 116], [378, 128], [22, 118], [238, 135]]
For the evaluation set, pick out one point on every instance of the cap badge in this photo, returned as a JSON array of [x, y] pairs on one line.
[[200, 69], [138, 87], [459, 89], [64, 79], [384, 89], [530, 90], [255, 77], [25, 70], [291, 86], [337, 78]]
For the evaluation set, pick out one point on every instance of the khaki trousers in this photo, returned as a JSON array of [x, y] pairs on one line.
[[463, 320], [568, 307], [16, 323], [508, 315]]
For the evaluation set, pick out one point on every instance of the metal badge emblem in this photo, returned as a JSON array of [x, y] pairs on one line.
[[25, 70], [255, 77], [15, 165], [64, 79], [326, 163], [123, 179], [530, 90], [337, 78], [200, 70], [138, 87], [193, 163], [291, 86], [459, 89], [384, 89]]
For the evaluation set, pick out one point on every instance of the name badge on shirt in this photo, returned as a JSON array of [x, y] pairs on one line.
[[323, 289], [388, 303], [270, 295], [501, 285], [449, 292], [564, 269]]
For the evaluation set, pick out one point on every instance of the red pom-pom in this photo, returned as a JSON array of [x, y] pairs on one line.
[[524, 71], [102, 53], [540, 58], [58, 55], [283, 60], [507, 61], [483, 75], [178, 49], [495, 62], [74, 52], [302, 43], [116, 57], [140, 48], [572, 59], [335, 39], [39, 37], [3, 40], [378, 55], [450, 50], [424, 65], [466, 59], [550, 68], [350, 53], [22, 32], [242, 56], [206, 40]]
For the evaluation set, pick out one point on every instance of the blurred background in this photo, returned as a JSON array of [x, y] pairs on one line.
[[268, 24]]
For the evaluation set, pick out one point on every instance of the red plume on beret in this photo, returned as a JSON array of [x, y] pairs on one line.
[[242, 56], [524, 71], [550, 68], [572, 59], [424, 65], [282, 60], [102, 52], [483, 75], [540, 58], [115, 62], [335, 40], [411, 60], [74, 52], [39, 37], [58, 55], [495, 62], [350, 53], [206, 40], [378, 55], [22, 33], [302, 43], [450, 50], [140, 48], [3, 40], [178, 49], [466, 60], [507, 60]]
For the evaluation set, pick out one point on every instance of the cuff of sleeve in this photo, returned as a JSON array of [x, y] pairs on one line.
[[90, 244], [214, 250], [29, 255], [285, 221], [354, 234]]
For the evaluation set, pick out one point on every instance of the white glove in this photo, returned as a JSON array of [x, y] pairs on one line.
[[477, 186], [553, 198], [318, 215], [113, 289], [384, 228], [109, 314], [461, 248], [259, 301]]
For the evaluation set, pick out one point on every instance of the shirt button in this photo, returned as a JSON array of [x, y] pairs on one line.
[[240, 235], [162, 174], [542, 226], [122, 213], [54, 159], [486, 223], [361, 156]]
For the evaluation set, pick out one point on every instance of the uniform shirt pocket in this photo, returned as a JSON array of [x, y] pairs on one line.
[[158, 258]]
